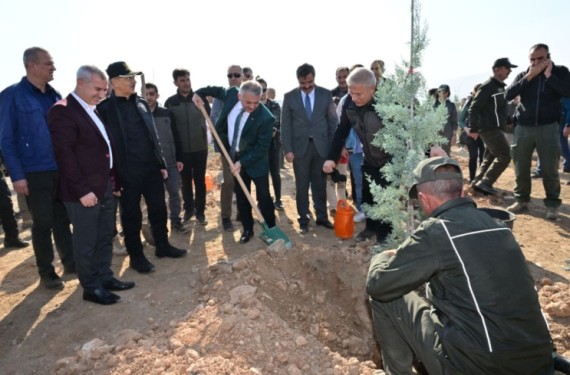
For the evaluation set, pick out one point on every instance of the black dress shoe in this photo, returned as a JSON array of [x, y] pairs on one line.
[[100, 296], [188, 215], [304, 228], [279, 206], [227, 224], [325, 223], [170, 252], [485, 188], [201, 219], [51, 281], [15, 243], [246, 236], [142, 266], [116, 284], [365, 235], [69, 270]]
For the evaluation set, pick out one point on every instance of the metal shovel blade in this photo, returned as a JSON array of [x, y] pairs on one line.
[[270, 235]]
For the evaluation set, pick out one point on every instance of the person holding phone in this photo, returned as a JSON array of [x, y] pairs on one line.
[[541, 87]]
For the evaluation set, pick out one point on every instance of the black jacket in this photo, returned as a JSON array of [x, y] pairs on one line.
[[488, 109], [109, 112], [366, 123], [540, 97]]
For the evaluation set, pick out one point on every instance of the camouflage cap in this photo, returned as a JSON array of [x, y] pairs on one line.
[[425, 172]]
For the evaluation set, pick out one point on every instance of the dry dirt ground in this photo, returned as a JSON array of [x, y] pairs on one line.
[[229, 308]]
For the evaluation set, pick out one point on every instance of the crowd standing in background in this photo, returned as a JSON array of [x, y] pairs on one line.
[[323, 133]]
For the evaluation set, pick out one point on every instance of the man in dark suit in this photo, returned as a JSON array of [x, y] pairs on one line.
[[87, 180], [142, 166], [308, 123], [245, 127]]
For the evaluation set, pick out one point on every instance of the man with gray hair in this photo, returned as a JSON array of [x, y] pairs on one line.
[[358, 113], [482, 314], [28, 154], [87, 181], [245, 127]]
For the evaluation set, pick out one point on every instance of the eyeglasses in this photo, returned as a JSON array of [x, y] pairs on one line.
[[235, 75]]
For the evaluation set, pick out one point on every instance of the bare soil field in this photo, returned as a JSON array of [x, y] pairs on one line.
[[230, 308]]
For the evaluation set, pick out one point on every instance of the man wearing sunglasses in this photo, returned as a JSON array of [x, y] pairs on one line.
[[235, 77]]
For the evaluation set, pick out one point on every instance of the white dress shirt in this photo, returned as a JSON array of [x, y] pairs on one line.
[[232, 117], [90, 109]]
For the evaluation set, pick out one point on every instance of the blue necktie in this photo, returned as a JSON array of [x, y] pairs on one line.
[[308, 108], [236, 133]]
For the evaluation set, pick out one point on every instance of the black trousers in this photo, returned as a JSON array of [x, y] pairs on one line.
[[49, 216], [7, 211], [93, 232], [275, 158], [144, 182], [476, 149], [381, 228], [263, 197], [194, 171]]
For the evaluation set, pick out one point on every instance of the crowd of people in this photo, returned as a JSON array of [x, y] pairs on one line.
[[74, 157]]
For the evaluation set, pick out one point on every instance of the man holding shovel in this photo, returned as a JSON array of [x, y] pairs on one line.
[[245, 129]]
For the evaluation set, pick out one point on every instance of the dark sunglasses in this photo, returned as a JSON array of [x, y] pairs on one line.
[[264, 89], [235, 75]]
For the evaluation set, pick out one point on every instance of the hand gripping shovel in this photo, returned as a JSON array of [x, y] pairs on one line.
[[269, 235]]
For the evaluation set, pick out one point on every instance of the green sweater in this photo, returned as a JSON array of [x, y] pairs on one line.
[[479, 285]]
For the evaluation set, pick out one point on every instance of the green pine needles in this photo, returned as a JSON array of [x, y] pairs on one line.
[[410, 128]]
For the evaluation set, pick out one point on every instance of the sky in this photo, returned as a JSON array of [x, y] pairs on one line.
[[274, 38]]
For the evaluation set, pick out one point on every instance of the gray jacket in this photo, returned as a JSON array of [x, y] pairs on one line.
[[168, 135], [297, 128]]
